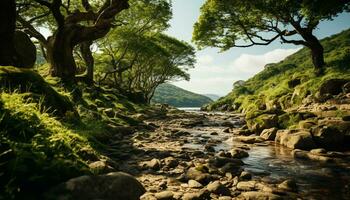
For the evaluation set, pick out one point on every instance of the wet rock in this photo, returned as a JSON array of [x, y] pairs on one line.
[[249, 139], [255, 195], [165, 195], [237, 153], [171, 162], [153, 164], [209, 148], [299, 140], [111, 186], [289, 185], [297, 153], [197, 175], [318, 151], [244, 132], [217, 188], [269, 134], [194, 184], [230, 168], [221, 161], [245, 176]]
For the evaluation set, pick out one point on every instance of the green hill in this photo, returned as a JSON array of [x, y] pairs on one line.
[[178, 97], [290, 82]]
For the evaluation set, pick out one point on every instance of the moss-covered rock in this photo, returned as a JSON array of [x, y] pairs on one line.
[[24, 80], [261, 122]]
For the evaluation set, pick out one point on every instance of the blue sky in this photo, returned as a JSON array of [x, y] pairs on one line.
[[215, 72]]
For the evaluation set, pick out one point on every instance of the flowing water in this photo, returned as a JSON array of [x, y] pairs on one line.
[[275, 163]]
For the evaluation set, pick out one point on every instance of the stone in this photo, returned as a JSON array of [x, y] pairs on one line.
[[329, 137], [201, 195], [153, 164], [332, 86], [194, 184], [318, 151], [269, 134], [217, 188], [246, 185], [289, 185], [214, 133], [301, 139], [237, 153], [225, 198], [346, 87], [230, 168], [261, 122], [255, 195], [221, 161], [25, 50], [165, 195], [245, 176], [297, 153], [100, 167], [116, 185], [249, 139], [171, 162], [226, 130], [201, 177]]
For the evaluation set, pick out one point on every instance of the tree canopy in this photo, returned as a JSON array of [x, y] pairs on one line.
[[235, 23]]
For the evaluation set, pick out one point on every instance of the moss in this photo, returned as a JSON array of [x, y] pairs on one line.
[[22, 80]]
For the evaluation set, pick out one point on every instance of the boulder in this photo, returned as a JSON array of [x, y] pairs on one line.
[[218, 162], [25, 50], [245, 176], [201, 195], [247, 185], [249, 139], [201, 177], [153, 164], [194, 184], [171, 162], [346, 87], [269, 134], [261, 122], [289, 185], [328, 137], [116, 185], [237, 153], [332, 86], [218, 188], [302, 139]]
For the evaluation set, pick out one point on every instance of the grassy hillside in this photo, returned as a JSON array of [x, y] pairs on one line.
[[178, 97], [290, 82], [47, 130]]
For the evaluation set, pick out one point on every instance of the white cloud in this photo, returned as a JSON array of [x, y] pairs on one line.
[[252, 64], [210, 77]]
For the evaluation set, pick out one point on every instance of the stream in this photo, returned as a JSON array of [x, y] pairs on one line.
[[273, 163]]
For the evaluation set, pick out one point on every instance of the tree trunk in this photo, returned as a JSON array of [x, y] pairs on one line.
[[318, 58], [89, 61], [60, 54], [7, 30]]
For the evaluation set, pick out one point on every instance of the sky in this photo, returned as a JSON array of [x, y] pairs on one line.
[[216, 72]]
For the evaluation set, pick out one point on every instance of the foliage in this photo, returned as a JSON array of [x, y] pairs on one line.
[[270, 86], [175, 96]]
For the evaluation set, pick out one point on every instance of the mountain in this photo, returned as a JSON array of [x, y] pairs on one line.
[[178, 97], [290, 82], [213, 97]]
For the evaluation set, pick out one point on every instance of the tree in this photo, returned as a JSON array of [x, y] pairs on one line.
[[7, 31], [69, 23], [226, 23]]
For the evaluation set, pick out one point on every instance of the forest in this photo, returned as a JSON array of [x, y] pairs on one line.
[[88, 109]]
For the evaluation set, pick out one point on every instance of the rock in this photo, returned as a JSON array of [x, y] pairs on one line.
[[165, 195], [299, 140], [221, 161], [318, 151], [237, 153], [269, 134], [288, 185], [307, 124], [153, 164], [201, 195], [194, 184], [246, 185], [182, 133], [346, 118], [214, 133], [209, 148], [116, 185], [254, 195], [297, 153], [332, 86], [100, 167], [245, 176], [328, 137], [171, 162], [346, 87], [230, 168], [294, 82], [217, 188], [201, 177], [25, 50], [249, 139], [261, 122], [225, 198], [226, 130]]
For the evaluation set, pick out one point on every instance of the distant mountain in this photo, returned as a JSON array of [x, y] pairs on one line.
[[178, 97], [213, 97]]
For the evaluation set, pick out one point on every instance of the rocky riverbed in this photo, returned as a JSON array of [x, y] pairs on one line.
[[199, 155], [193, 155]]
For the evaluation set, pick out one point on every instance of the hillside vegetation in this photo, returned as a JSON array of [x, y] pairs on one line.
[[290, 82], [178, 97]]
